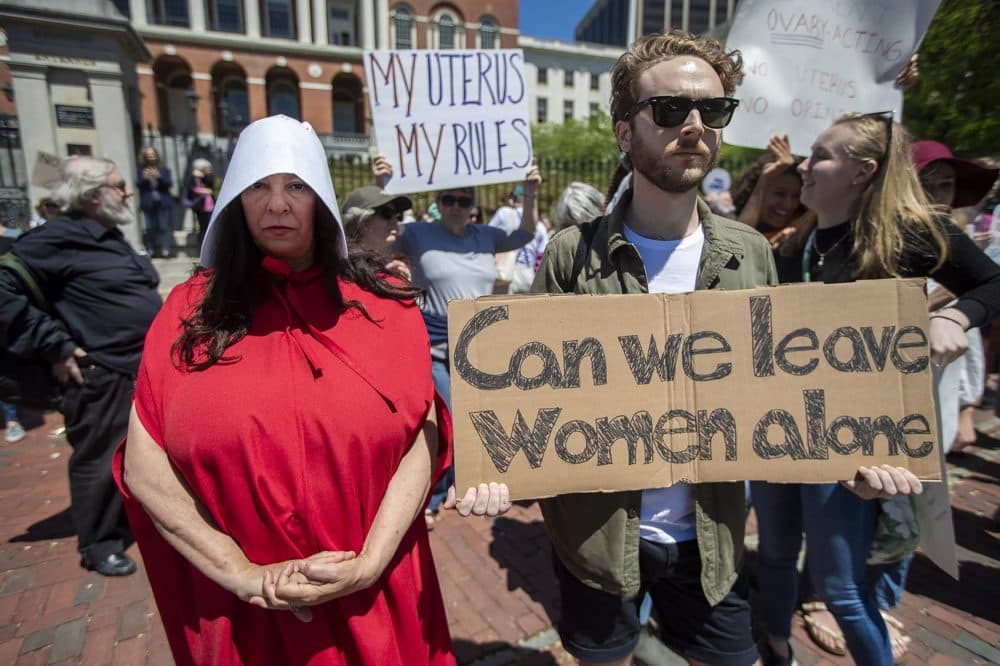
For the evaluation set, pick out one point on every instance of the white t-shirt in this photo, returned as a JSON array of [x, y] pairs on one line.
[[671, 267]]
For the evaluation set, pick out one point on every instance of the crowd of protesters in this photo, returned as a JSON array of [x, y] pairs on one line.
[[291, 516]]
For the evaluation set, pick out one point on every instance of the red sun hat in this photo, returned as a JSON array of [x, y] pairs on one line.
[[972, 181]]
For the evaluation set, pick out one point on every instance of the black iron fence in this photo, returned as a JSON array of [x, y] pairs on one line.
[[352, 171], [15, 208]]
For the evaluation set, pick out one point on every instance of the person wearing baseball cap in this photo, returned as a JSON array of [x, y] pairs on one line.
[[371, 223]]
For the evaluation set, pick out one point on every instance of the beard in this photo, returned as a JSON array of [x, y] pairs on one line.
[[654, 166], [117, 214]]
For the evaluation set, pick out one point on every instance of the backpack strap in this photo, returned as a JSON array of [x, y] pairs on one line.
[[587, 232], [11, 262]]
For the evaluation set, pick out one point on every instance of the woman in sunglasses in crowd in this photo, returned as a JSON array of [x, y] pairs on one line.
[[450, 258], [371, 223], [873, 221]]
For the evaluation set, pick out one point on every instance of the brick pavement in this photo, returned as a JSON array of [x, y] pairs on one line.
[[495, 574]]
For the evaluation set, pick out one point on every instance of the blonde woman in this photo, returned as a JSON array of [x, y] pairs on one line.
[[873, 221]]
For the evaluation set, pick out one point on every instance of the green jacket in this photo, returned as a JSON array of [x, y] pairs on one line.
[[596, 535]]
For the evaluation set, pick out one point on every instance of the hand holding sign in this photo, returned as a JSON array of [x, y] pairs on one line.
[[883, 481], [484, 500], [947, 336], [381, 170], [533, 180]]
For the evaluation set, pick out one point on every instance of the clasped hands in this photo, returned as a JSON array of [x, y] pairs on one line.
[[295, 585]]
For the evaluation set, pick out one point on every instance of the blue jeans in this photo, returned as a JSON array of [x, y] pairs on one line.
[[159, 232], [9, 412], [442, 384], [889, 581], [839, 527]]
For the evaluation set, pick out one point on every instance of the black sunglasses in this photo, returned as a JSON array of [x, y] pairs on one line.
[[388, 212], [888, 118], [671, 111], [120, 185], [451, 200]]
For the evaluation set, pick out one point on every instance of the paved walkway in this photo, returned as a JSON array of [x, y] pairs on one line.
[[496, 576]]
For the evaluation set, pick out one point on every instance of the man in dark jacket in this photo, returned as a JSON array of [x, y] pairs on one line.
[[154, 182], [104, 297]]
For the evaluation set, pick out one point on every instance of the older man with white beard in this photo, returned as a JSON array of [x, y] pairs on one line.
[[103, 297]]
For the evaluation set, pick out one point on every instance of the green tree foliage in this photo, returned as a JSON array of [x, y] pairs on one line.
[[957, 99], [576, 140]]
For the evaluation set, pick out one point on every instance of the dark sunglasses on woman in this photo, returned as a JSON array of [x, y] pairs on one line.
[[451, 200], [670, 111]]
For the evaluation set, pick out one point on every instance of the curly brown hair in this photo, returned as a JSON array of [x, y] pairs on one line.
[[653, 49]]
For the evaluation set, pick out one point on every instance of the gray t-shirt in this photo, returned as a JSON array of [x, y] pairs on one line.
[[450, 267]]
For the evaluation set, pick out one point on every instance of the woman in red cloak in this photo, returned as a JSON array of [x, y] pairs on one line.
[[282, 439]]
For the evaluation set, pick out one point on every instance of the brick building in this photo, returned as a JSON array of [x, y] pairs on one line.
[[220, 64]]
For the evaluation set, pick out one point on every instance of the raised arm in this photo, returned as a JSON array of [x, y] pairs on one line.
[[780, 159], [529, 216], [381, 170]]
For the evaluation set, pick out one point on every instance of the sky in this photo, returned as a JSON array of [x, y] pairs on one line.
[[555, 19]]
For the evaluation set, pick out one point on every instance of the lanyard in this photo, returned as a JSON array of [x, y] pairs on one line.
[[807, 257]]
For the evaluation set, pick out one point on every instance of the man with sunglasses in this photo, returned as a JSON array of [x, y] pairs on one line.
[[680, 547], [103, 297]]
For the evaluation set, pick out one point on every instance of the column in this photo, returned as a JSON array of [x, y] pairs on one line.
[[367, 24], [321, 32], [35, 117], [138, 11], [381, 23], [110, 117], [712, 19], [685, 13], [206, 104], [197, 14], [633, 21], [252, 8], [304, 19]]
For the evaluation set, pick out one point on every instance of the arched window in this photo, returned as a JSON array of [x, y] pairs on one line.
[[402, 23], [174, 95], [347, 105], [445, 31], [489, 33], [232, 103], [282, 94]]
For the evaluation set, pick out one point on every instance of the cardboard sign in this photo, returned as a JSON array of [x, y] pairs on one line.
[[48, 170], [799, 383], [808, 62], [450, 118]]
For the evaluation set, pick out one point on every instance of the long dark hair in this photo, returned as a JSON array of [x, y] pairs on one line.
[[223, 316]]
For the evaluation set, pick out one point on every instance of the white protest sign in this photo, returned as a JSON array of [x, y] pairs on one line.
[[807, 62], [450, 118]]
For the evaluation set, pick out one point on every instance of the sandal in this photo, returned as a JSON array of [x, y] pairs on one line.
[[827, 636], [899, 641]]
